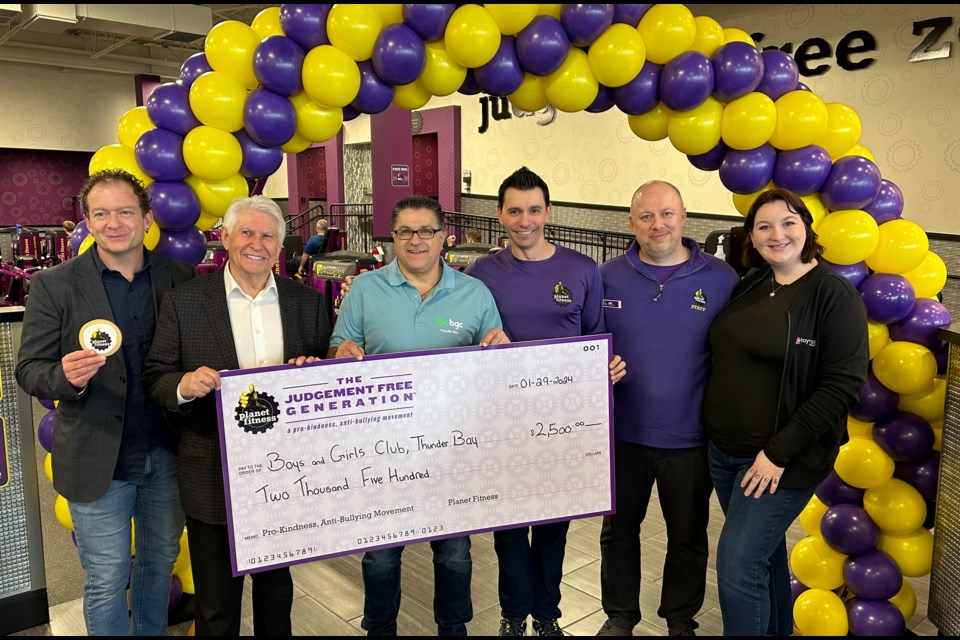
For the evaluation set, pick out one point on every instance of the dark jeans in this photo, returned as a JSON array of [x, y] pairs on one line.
[[684, 487], [452, 606], [753, 579], [530, 570]]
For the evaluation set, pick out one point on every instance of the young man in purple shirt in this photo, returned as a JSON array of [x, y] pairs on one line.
[[542, 291]]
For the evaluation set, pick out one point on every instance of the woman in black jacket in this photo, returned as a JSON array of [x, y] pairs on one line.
[[790, 355]]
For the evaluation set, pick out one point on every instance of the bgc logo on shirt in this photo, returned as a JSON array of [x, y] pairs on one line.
[[449, 325]]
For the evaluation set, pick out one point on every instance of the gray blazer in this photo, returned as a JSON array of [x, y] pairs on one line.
[[193, 330], [88, 427]]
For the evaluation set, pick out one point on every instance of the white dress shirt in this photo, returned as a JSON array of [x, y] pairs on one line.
[[257, 330]]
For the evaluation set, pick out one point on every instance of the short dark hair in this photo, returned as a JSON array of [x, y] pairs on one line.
[[524, 180], [811, 248], [115, 175], [418, 202]]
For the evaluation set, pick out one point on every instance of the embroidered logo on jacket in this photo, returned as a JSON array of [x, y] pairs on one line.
[[561, 295], [699, 300]]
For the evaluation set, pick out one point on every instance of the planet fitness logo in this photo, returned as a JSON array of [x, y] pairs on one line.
[[257, 412]]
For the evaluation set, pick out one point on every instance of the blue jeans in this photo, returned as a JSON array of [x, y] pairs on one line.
[[103, 543], [452, 606], [753, 578], [531, 567]]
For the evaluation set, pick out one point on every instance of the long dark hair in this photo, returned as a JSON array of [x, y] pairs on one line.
[[811, 248]]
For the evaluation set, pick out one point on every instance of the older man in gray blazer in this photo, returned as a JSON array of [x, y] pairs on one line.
[[114, 456]]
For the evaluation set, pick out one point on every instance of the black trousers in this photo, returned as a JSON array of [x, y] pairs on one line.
[[219, 594], [684, 488]]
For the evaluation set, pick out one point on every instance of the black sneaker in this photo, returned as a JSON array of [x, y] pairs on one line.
[[611, 629], [512, 627], [547, 627], [681, 631]]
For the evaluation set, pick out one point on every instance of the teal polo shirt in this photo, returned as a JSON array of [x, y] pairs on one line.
[[383, 313]]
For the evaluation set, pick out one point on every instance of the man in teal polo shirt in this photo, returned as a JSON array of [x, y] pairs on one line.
[[416, 302]]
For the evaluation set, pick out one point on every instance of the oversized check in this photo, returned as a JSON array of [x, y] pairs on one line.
[[342, 456]]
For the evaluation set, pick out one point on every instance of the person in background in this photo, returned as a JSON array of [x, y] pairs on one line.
[[542, 291], [473, 235], [238, 317], [116, 457], [790, 354], [659, 300], [418, 284], [314, 246]]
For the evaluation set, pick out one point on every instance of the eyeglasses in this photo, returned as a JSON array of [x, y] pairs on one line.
[[424, 234]]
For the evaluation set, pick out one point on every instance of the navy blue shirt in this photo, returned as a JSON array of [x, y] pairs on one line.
[[134, 311]]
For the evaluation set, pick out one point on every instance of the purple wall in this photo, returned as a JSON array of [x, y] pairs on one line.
[[37, 187]]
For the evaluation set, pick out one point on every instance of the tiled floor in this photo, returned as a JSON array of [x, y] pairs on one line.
[[329, 594]]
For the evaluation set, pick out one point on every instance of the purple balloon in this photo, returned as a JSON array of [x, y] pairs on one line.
[[306, 24], [796, 587], [922, 476], [942, 354], [603, 101], [349, 113], [194, 67], [803, 87], [258, 161], [502, 75], [375, 94], [630, 14], [873, 574], [641, 94], [853, 183], [855, 272], [921, 324], [429, 21], [905, 437], [269, 118], [748, 171], [188, 245], [686, 81], [833, 491], [46, 404], [278, 65], [849, 530], [780, 74], [585, 22], [469, 86], [169, 108], [159, 153], [737, 70], [874, 618], [887, 296], [45, 430], [175, 205], [711, 160], [888, 204], [542, 46], [802, 170], [876, 401], [399, 54], [176, 593], [77, 235]]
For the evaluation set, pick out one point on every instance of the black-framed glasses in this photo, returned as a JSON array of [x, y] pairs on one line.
[[424, 234]]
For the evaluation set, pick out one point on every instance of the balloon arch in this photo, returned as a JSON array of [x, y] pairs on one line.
[[292, 77]]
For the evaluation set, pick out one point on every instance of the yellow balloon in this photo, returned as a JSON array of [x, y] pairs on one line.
[[296, 144], [62, 512], [901, 247], [732, 34], [895, 506], [512, 18], [229, 48], [748, 121], [913, 552], [389, 13], [85, 244], [353, 29], [183, 558], [938, 436], [858, 428], [472, 36], [709, 36], [617, 55], [215, 197], [817, 565], [811, 515], [905, 367], [411, 96], [205, 222], [696, 130], [878, 336], [315, 123], [132, 124], [267, 23], [819, 612], [816, 209], [212, 154], [48, 460], [668, 30], [743, 201], [117, 156], [552, 10], [848, 236], [863, 464], [927, 403], [856, 150], [218, 99], [330, 77], [133, 538], [531, 95], [906, 600], [441, 75], [152, 236], [186, 579], [572, 87], [929, 277], [843, 129], [801, 119], [651, 125]]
